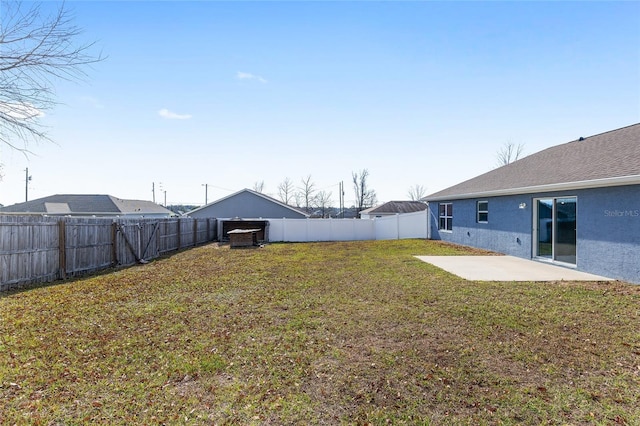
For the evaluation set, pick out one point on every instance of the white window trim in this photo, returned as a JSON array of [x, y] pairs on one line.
[[450, 218], [478, 211]]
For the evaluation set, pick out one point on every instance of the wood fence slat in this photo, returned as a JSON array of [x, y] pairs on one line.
[[62, 249], [37, 249]]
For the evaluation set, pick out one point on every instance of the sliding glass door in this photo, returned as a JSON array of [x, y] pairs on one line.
[[555, 229], [544, 240]]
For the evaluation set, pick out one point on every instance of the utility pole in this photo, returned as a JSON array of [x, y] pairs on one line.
[[165, 193], [341, 197], [153, 191], [27, 178], [206, 198]]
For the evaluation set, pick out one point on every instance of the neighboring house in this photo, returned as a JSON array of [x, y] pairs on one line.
[[88, 205], [335, 212], [575, 205], [391, 208], [248, 204]]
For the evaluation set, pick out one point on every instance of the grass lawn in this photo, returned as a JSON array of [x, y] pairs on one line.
[[322, 333]]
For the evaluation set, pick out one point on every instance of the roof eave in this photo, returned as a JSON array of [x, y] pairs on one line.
[[564, 186]]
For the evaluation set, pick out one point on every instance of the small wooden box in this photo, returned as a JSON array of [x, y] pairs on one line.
[[243, 238]]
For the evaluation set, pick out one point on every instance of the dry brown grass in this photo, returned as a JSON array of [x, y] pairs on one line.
[[326, 333]]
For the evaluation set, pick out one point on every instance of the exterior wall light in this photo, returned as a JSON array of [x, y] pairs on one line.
[[522, 206]]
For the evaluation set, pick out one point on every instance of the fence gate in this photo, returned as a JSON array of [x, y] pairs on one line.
[[135, 242]]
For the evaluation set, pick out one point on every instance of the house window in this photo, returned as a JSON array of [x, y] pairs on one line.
[[445, 215], [482, 210]]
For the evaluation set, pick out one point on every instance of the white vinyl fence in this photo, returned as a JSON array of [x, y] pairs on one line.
[[400, 226]]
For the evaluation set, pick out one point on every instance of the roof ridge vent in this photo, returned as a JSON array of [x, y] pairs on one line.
[[581, 138]]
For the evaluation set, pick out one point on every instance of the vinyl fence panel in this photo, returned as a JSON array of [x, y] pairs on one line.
[[402, 226], [303, 230], [413, 225], [409, 225]]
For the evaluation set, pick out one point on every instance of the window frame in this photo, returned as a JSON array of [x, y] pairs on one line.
[[480, 212], [445, 217]]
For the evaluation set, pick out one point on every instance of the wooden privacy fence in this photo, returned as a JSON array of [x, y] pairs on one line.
[[42, 249]]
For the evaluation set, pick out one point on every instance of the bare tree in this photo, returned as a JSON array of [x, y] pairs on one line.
[[416, 192], [258, 186], [508, 153], [286, 190], [307, 192], [299, 199], [35, 50], [365, 197], [323, 202]]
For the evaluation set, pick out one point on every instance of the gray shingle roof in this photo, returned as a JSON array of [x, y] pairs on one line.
[[85, 204], [397, 207], [610, 158]]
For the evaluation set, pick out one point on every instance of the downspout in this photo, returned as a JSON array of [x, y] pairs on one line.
[[428, 221]]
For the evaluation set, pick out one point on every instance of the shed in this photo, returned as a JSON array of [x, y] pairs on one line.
[[260, 228]]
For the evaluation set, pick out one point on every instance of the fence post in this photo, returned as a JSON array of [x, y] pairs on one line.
[[428, 212], [62, 246], [158, 239], [331, 237], [179, 236], [284, 230], [114, 243], [140, 254], [195, 232]]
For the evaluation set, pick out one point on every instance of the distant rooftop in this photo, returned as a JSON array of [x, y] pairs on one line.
[[391, 207], [78, 204]]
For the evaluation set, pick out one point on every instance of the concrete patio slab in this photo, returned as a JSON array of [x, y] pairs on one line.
[[506, 268]]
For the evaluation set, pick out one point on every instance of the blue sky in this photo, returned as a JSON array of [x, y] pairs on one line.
[[231, 93]]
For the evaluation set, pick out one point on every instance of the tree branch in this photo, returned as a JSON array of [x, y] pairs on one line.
[[35, 50]]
